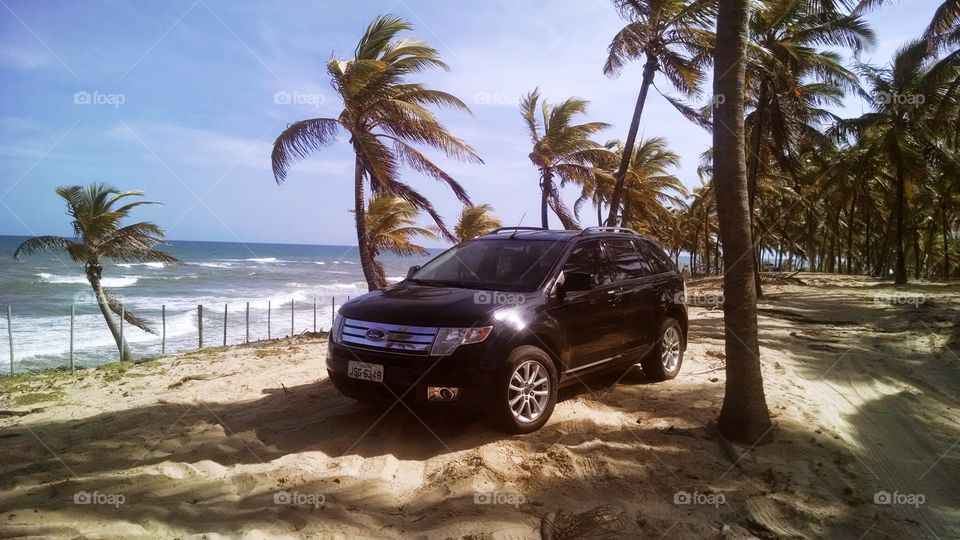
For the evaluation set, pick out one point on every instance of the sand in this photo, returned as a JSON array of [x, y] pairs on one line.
[[863, 381]]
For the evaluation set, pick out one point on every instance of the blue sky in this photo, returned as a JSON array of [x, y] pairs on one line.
[[184, 104]]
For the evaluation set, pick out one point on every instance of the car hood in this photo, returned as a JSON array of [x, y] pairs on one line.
[[419, 305]]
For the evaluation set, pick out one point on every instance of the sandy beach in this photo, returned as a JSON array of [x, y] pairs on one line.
[[251, 441]]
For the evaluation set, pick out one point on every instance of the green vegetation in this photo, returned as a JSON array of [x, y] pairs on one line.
[[385, 116], [99, 234]]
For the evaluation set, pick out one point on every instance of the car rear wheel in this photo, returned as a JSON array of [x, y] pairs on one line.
[[526, 390], [663, 361]]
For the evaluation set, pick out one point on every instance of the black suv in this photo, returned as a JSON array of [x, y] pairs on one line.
[[507, 318]]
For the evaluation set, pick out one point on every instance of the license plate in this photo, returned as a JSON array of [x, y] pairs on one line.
[[365, 371]]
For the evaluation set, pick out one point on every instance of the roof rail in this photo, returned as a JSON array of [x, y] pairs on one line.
[[505, 229], [610, 229]]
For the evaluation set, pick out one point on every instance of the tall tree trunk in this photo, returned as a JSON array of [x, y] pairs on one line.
[[753, 172], [94, 272], [916, 248], [869, 246], [546, 178], [901, 268], [744, 416], [946, 248], [706, 243], [360, 214], [649, 70], [599, 216], [850, 218]]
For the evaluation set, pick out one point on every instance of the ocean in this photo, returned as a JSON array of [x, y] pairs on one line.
[[41, 288]]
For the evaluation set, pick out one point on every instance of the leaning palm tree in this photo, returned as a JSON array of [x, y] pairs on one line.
[[98, 234], [673, 37], [475, 221], [561, 149], [648, 185], [384, 117], [391, 226]]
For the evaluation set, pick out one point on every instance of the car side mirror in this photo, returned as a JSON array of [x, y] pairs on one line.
[[576, 281], [413, 270]]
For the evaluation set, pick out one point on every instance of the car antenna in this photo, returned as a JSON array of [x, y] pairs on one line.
[[517, 229]]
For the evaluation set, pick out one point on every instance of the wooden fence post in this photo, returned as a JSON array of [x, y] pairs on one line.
[[72, 306], [333, 310], [123, 341], [248, 322], [10, 336], [163, 336], [268, 319], [314, 314], [292, 302], [200, 324], [224, 325]]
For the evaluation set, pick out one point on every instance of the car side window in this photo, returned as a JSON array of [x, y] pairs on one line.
[[587, 257], [626, 261], [659, 261]]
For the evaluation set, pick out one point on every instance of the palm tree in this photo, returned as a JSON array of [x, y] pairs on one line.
[[475, 221], [384, 116], [391, 226], [744, 416], [560, 149], [99, 234], [673, 38], [898, 125], [648, 185], [790, 80]]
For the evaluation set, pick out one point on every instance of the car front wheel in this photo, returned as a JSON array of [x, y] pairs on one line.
[[663, 361], [527, 390]]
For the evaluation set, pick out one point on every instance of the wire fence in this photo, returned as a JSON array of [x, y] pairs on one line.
[[213, 321]]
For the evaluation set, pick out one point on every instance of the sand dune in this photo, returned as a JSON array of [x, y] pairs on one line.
[[864, 388]]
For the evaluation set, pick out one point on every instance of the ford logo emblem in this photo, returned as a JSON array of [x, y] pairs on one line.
[[375, 334]]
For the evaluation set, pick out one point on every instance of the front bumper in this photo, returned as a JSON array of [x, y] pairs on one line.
[[406, 376]]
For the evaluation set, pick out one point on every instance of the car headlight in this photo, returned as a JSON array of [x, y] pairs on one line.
[[337, 330], [448, 339]]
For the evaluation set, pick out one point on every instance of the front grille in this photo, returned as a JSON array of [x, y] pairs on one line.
[[394, 338]]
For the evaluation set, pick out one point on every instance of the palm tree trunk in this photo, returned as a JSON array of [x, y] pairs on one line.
[[93, 276], [649, 70], [599, 216], [850, 218], [545, 181], [359, 211], [901, 268], [744, 416], [946, 250], [753, 170]]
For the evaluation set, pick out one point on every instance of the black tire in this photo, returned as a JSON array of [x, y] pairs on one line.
[[653, 363], [504, 416]]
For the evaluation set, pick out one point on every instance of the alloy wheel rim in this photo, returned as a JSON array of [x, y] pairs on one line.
[[529, 391], [670, 349]]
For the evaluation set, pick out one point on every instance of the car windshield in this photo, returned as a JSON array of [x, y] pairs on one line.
[[501, 264]]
